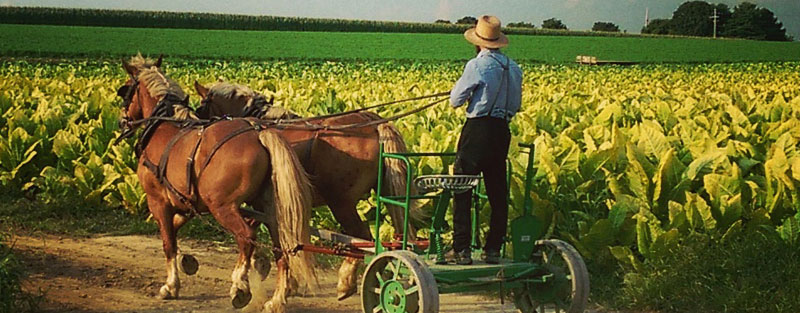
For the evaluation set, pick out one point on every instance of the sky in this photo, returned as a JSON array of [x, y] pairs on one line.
[[576, 14]]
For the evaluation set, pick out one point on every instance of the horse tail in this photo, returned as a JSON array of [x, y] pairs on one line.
[[292, 205], [395, 178]]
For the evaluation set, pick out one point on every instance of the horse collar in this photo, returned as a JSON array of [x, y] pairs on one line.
[[164, 108]]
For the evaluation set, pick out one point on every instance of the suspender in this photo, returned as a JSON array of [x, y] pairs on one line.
[[506, 73]]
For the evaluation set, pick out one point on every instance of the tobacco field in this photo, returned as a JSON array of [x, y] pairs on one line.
[[630, 161]]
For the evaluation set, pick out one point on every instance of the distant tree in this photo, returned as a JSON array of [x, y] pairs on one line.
[[724, 14], [467, 20], [693, 18], [442, 22], [521, 25], [553, 23], [605, 27], [751, 22], [657, 26]]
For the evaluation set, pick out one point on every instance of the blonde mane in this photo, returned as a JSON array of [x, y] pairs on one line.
[[229, 90], [278, 113], [141, 62], [183, 112], [159, 85]]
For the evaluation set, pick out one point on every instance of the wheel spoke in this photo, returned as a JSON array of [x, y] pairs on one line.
[[377, 291], [377, 309], [397, 269], [412, 290], [380, 278]]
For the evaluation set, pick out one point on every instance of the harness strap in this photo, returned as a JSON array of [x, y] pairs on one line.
[[149, 165], [162, 168], [256, 127], [193, 191], [310, 169]]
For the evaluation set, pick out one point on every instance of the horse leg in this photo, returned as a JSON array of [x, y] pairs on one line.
[[187, 263], [260, 264], [282, 287], [345, 212], [230, 218], [260, 267], [164, 216]]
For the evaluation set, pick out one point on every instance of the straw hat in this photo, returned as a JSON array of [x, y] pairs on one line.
[[487, 33]]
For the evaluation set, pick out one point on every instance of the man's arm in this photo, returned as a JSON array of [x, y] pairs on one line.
[[464, 86]]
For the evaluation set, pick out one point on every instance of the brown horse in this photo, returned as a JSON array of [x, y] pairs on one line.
[[343, 163], [215, 168]]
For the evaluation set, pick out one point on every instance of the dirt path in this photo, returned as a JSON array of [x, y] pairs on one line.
[[123, 274]]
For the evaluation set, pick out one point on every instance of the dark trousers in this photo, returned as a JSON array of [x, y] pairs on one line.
[[482, 148]]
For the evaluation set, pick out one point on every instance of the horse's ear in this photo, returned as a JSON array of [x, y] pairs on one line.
[[160, 59], [201, 90], [130, 69]]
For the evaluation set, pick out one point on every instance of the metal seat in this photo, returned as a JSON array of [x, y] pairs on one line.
[[451, 183]]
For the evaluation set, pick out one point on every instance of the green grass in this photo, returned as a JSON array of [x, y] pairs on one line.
[[752, 273], [94, 42], [65, 217], [12, 297]]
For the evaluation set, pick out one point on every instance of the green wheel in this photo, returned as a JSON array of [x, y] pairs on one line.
[[398, 281], [567, 285]]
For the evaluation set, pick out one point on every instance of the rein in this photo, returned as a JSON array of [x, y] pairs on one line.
[[289, 124], [314, 118], [299, 123]]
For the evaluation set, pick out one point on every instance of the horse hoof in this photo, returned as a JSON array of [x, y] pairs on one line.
[[271, 307], [188, 264], [346, 293], [262, 266], [294, 287], [241, 299], [165, 294]]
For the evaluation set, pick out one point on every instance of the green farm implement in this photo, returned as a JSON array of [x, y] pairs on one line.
[[541, 275]]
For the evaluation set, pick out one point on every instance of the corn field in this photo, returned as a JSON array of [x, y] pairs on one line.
[[161, 19]]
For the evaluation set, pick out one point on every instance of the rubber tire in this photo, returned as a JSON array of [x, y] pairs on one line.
[[580, 280]]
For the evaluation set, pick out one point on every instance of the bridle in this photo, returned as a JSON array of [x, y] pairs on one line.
[[161, 112], [127, 92], [257, 106]]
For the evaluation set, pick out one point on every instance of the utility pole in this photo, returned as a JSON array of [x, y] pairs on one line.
[[715, 17], [646, 17]]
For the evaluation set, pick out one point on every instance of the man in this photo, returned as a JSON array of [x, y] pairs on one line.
[[492, 83]]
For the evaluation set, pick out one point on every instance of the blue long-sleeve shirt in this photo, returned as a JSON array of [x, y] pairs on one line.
[[481, 85]]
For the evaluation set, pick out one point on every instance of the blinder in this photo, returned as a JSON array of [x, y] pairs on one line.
[[126, 92]]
